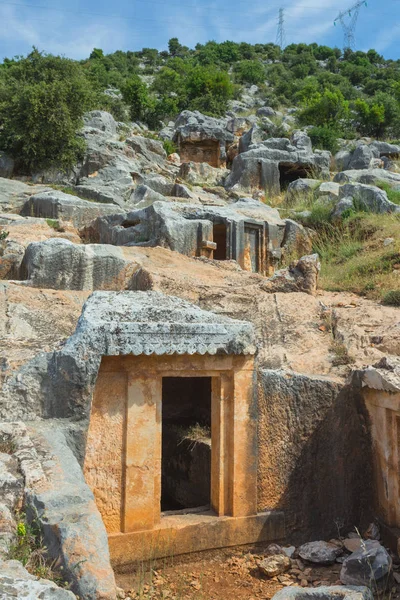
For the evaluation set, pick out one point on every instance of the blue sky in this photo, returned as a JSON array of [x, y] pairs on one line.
[[73, 28]]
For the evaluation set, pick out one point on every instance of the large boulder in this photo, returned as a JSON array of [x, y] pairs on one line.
[[371, 565], [14, 194], [302, 276], [320, 553], [144, 196], [16, 582], [275, 162], [152, 150], [65, 509], [335, 592], [362, 157], [301, 189], [342, 160], [65, 207], [368, 198], [255, 135], [58, 264], [274, 565], [266, 111], [368, 176], [386, 149], [102, 120]]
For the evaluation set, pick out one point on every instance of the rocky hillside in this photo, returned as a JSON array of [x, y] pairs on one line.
[[230, 186]]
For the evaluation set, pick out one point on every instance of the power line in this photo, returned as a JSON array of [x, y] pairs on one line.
[[280, 35], [348, 20]]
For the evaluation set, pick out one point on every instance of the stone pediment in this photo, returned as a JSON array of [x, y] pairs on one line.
[[121, 323]]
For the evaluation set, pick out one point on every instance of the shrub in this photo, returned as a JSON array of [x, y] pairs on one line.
[[324, 109], [250, 71], [325, 138], [42, 101], [392, 298], [208, 90], [136, 96], [3, 234], [169, 147]]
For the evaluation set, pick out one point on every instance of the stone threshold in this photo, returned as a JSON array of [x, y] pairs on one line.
[[195, 532]]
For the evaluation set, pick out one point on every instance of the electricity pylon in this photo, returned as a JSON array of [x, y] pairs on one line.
[[348, 20], [280, 36]]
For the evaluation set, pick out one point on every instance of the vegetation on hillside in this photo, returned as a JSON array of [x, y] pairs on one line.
[[43, 97], [359, 253]]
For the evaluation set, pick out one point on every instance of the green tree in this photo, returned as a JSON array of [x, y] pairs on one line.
[[174, 46], [136, 95], [249, 71], [42, 101], [96, 53], [208, 89], [329, 108]]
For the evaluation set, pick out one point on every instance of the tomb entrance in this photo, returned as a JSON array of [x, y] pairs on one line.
[[172, 440]]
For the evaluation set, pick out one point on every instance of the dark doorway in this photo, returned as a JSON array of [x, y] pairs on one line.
[[220, 238], [186, 443], [292, 172]]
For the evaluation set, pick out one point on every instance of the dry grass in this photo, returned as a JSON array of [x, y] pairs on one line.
[[354, 258]]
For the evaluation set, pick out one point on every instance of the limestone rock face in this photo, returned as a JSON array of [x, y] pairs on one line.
[[14, 194], [336, 592], [321, 553], [274, 565], [368, 197], [57, 205], [368, 176], [259, 166], [102, 120], [300, 277], [196, 173], [371, 565], [386, 149], [362, 157], [64, 505], [301, 188], [60, 265], [16, 582]]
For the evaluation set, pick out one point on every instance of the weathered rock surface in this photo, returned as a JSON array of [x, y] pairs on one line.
[[201, 173], [300, 277], [21, 232], [16, 582], [11, 482], [57, 205], [335, 592], [370, 566], [14, 194], [368, 197], [301, 188], [64, 506], [368, 176], [362, 157], [60, 265], [194, 127], [259, 166], [321, 553], [274, 565], [102, 120]]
